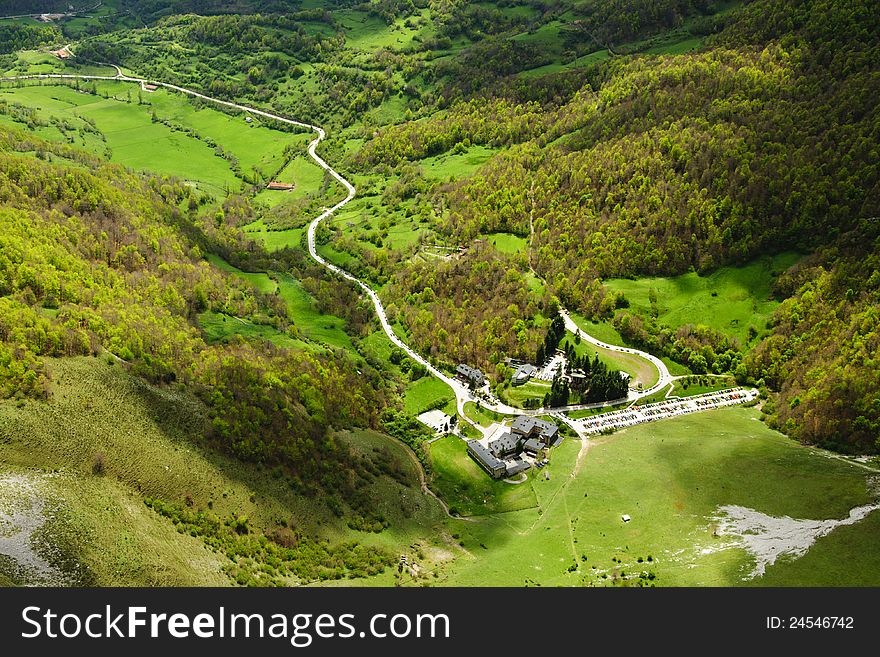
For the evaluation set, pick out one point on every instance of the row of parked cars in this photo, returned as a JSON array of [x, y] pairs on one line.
[[669, 408]]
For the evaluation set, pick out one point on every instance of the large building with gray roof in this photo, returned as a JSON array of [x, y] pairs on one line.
[[503, 456]]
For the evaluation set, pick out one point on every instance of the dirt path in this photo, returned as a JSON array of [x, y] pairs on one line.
[[423, 479]]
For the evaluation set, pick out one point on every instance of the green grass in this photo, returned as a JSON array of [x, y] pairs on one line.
[[676, 48], [218, 327], [640, 370], [467, 488], [483, 416], [149, 437], [135, 141], [365, 32], [424, 393], [588, 412], [730, 300], [671, 476], [507, 242], [308, 178], [315, 325], [303, 311], [457, 165], [660, 395], [273, 240], [557, 67], [675, 369], [603, 331], [517, 395]]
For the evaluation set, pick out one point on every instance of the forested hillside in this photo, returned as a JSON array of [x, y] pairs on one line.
[[97, 260], [765, 141]]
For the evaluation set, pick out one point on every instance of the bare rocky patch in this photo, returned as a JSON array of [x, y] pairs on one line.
[[767, 538], [25, 557]]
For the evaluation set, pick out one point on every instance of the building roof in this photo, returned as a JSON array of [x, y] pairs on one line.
[[506, 443], [524, 371], [529, 426], [279, 185], [469, 372], [533, 444], [481, 453], [517, 467]]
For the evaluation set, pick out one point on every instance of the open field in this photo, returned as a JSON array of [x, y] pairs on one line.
[[425, 393], [184, 147], [218, 327], [483, 416], [273, 240], [466, 488], [151, 450], [671, 477], [731, 300], [457, 165], [507, 242], [528, 392]]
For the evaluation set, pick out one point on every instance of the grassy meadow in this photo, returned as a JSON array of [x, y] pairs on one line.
[[466, 487], [731, 299], [153, 450], [670, 477], [183, 147]]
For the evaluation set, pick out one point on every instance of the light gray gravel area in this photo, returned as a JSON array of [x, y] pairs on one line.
[[767, 538], [24, 511]]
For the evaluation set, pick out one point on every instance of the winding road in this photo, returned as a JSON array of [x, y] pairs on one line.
[[462, 393]]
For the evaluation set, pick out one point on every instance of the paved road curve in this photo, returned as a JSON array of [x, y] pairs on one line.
[[665, 377]]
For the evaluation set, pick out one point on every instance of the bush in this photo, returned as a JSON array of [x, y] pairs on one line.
[[99, 464]]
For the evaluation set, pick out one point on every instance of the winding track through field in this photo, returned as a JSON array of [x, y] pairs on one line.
[[462, 393]]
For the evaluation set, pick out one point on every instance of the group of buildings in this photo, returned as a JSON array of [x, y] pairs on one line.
[[503, 456]]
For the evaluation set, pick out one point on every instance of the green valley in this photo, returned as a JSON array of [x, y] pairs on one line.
[[439, 294]]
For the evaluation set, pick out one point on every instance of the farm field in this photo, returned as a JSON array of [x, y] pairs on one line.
[[731, 300], [671, 477]]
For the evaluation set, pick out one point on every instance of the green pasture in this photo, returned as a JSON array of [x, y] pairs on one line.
[[153, 450], [466, 487], [457, 165], [670, 477], [730, 300], [136, 141], [507, 242], [424, 393]]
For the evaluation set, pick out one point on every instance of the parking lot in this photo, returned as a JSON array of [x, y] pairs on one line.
[[670, 408]]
